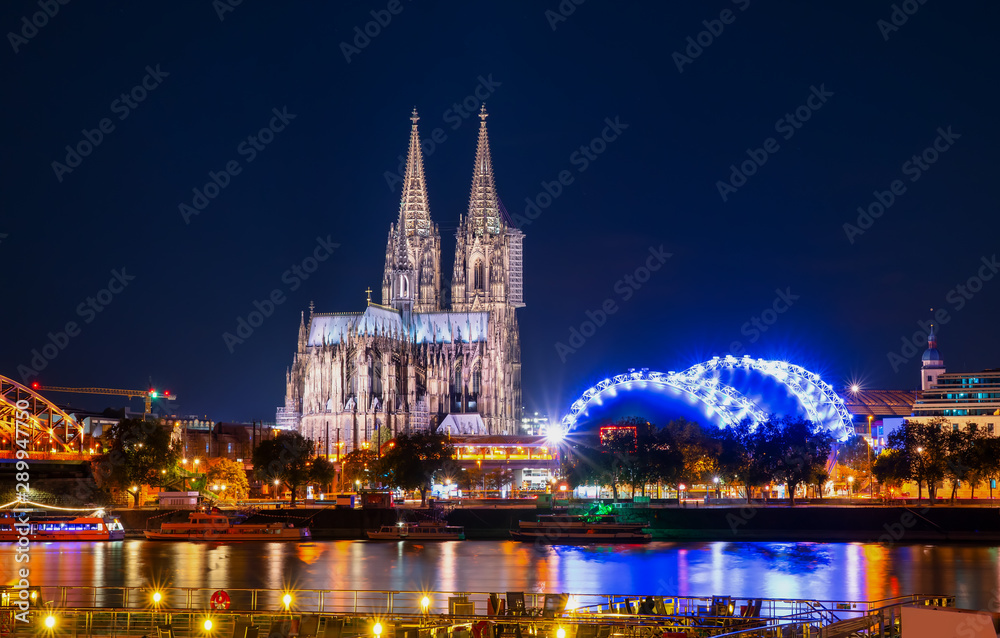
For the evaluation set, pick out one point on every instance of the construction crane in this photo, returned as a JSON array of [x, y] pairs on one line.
[[147, 395]]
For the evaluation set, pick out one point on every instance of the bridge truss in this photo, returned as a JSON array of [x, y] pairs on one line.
[[44, 426]]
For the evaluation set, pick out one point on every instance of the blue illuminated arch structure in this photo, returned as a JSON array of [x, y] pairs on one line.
[[823, 406]]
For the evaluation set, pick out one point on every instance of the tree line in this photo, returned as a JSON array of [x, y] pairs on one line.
[[779, 451], [933, 452]]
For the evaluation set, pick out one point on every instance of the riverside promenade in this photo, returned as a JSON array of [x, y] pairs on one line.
[[114, 612]]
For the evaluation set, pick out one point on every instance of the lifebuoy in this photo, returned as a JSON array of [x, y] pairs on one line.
[[481, 629], [220, 600]]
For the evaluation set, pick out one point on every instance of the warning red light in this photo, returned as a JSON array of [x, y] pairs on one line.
[[36, 385]]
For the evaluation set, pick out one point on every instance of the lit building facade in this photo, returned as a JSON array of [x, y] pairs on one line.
[[961, 399], [431, 348]]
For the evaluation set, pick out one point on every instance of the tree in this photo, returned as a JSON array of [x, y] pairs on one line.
[[801, 452], [413, 461], [358, 465], [322, 472], [752, 451], [499, 478], [228, 480], [284, 459], [699, 452], [961, 462], [138, 453], [892, 467], [988, 460]]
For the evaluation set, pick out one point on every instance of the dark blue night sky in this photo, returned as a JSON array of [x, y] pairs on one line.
[[731, 162]]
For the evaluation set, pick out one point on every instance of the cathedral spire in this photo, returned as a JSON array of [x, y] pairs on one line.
[[484, 205], [414, 210]]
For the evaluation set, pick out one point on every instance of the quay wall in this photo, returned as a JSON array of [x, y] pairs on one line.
[[940, 523]]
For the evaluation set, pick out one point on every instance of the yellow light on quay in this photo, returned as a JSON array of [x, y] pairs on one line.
[[560, 633], [208, 624], [50, 621], [377, 629], [157, 597], [287, 599], [425, 602]]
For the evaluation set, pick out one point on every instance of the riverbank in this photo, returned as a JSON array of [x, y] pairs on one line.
[[940, 523]]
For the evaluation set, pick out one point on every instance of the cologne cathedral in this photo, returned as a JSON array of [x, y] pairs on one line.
[[422, 360]]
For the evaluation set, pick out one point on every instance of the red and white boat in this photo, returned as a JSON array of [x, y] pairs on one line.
[[207, 526], [48, 527]]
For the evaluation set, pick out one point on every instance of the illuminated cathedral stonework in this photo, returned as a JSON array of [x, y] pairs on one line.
[[422, 359]]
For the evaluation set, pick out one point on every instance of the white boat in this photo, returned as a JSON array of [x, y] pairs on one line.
[[206, 526], [426, 531], [570, 529]]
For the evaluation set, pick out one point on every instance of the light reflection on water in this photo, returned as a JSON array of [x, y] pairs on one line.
[[830, 571]]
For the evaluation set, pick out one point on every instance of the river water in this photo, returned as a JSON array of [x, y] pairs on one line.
[[824, 571]]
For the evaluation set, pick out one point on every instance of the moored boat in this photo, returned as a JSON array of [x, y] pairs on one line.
[[48, 527], [427, 531], [580, 529], [206, 526]]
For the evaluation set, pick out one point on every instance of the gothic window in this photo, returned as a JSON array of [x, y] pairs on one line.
[[375, 373], [477, 275], [476, 380], [456, 378], [351, 374], [404, 287]]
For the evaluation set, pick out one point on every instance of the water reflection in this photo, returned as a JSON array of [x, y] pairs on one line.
[[829, 571]]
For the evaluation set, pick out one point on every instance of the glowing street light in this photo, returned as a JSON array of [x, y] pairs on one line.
[[377, 629], [50, 621], [287, 599], [157, 598], [425, 602], [207, 624], [560, 633]]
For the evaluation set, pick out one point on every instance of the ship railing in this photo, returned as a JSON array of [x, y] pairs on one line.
[[580, 609], [881, 618]]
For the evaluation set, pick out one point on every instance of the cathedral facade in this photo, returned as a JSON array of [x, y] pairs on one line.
[[421, 360]]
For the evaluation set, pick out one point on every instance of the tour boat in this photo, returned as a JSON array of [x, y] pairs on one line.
[[205, 526], [47, 527], [564, 528], [426, 531]]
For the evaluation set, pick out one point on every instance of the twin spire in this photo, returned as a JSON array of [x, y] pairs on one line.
[[414, 210], [484, 205]]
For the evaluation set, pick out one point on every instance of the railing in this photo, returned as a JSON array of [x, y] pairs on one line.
[[113, 611]]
